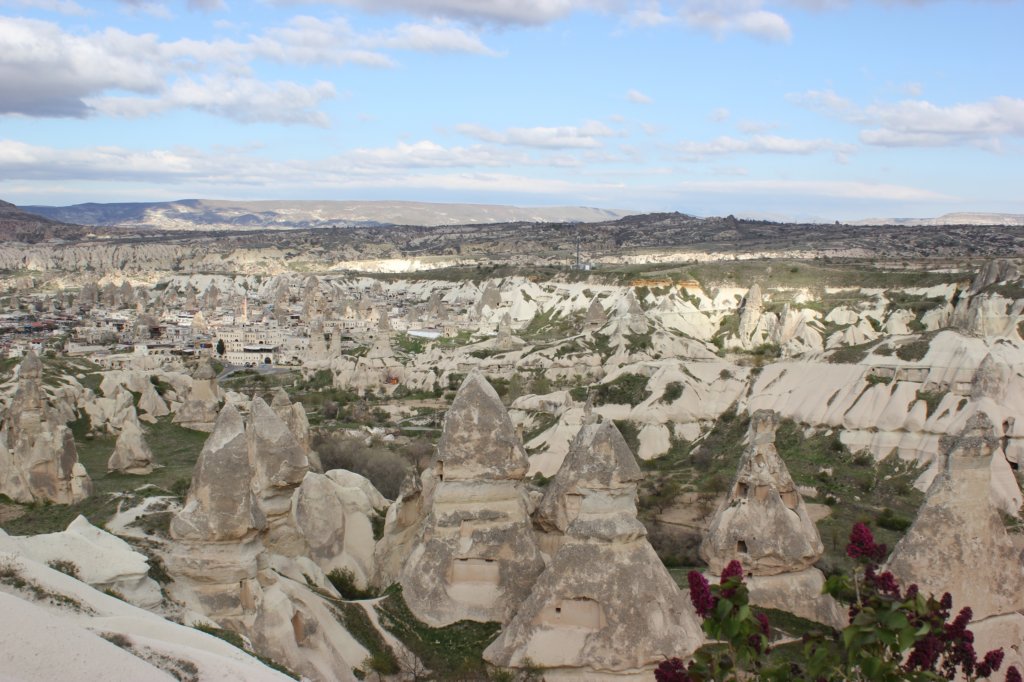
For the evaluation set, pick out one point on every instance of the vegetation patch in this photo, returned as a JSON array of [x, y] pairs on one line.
[[626, 389], [454, 652], [235, 640], [382, 658], [344, 582]]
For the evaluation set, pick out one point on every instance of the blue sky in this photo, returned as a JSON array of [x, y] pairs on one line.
[[793, 109]]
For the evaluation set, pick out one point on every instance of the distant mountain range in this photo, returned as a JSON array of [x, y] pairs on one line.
[[17, 225], [202, 214], [1015, 219]]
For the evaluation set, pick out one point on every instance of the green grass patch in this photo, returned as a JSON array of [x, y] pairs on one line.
[[454, 652], [174, 447], [382, 658]]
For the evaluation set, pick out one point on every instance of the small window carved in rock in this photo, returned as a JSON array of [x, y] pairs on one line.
[[742, 489], [741, 547]]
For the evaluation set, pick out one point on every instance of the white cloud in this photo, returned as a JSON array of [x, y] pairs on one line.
[[721, 17], [637, 97], [517, 12], [838, 189], [310, 40], [46, 72], [648, 13], [752, 127], [439, 36], [586, 136], [720, 114], [758, 144], [50, 72], [824, 101], [154, 9], [919, 123], [223, 170], [428, 154], [67, 7], [207, 5], [246, 100]]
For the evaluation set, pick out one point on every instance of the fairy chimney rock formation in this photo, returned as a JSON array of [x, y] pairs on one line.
[[38, 458], [490, 298], [132, 454], [763, 522], [294, 415], [220, 503], [596, 315], [606, 606], [958, 543], [750, 314], [474, 555], [200, 409], [990, 379], [599, 462]]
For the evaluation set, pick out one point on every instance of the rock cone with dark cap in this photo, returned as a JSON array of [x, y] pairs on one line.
[[606, 605], [958, 543], [474, 556], [38, 459], [763, 522]]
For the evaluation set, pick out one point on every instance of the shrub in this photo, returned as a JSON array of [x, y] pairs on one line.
[[673, 391], [385, 468], [893, 634], [344, 582], [889, 520], [64, 566], [626, 389]]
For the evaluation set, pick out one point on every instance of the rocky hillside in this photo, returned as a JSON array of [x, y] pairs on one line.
[[201, 214], [17, 225]]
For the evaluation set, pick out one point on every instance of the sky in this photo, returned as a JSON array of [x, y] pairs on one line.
[[788, 109]]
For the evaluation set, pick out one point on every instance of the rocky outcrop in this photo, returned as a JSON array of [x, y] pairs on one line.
[[279, 465], [132, 454], [958, 543], [993, 272], [220, 504], [596, 316], [199, 411], [763, 522], [474, 556], [294, 415], [750, 315], [606, 606], [38, 458], [257, 526], [94, 556]]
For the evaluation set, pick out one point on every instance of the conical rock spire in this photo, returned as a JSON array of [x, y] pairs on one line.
[[763, 522]]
